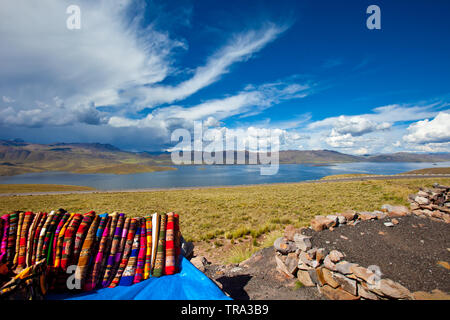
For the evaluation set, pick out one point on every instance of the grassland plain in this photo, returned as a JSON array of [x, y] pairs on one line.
[[443, 170], [24, 188], [228, 222]]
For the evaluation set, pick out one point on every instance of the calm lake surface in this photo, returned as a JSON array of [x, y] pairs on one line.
[[219, 175]]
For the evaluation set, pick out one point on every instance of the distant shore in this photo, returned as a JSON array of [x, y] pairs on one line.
[[88, 190]]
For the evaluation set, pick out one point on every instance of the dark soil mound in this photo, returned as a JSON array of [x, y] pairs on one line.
[[408, 252]]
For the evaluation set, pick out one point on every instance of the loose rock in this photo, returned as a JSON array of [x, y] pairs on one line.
[[302, 242], [284, 246]]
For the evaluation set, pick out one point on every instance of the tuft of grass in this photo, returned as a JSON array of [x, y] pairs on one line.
[[271, 237], [240, 253], [298, 285]]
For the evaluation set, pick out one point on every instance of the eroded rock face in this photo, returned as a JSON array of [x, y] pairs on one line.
[[348, 215], [302, 242], [284, 246], [364, 274], [345, 283], [292, 263], [365, 215], [320, 223], [366, 294], [393, 289], [305, 278], [289, 232], [337, 294], [325, 277], [199, 262], [421, 200], [336, 256], [281, 266], [344, 267]]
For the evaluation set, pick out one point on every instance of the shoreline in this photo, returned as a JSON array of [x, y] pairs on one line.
[[143, 190]]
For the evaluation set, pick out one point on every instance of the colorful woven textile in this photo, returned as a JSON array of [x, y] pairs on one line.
[[81, 234], [2, 222], [114, 248], [169, 267], [141, 254], [86, 251], [19, 229], [47, 246], [12, 233], [177, 233], [158, 269], [69, 239], [101, 226], [97, 268], [36, 237], [112, 229], [43, 232], [130, 270], [156, 219], [27, 220], [59, 227], [107, 250], [121, 247], [30, 238], [126, 253], [148, 252], [60, 241], [4, 243]]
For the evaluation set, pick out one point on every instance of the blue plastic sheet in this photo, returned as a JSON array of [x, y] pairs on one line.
[[189, 284]]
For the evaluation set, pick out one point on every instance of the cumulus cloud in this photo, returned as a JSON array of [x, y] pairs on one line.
[[430, 131], [376, 128], [361, 151], [44, 60]]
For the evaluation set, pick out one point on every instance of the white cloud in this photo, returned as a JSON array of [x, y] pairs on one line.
[[426, 131], [361, 151], [240, 48], [43, 59], [7, 99], [247, 101], [358, 125], [337, 140], [376, 131]]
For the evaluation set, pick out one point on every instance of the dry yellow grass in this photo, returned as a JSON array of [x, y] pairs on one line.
[[443, 170], [235, 212], [347, 175], [24, 188]]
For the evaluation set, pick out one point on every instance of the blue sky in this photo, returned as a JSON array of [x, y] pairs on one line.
[[310, 70]]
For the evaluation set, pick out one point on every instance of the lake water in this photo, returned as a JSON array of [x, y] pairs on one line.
[[218, 175]]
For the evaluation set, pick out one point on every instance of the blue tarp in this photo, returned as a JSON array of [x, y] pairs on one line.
[[189, 284]]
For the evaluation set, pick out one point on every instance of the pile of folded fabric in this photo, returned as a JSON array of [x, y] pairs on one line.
[[89, 251]]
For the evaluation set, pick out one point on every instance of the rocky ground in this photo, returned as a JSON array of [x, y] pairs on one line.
[[396, 253], [414, 251], [258, 279]]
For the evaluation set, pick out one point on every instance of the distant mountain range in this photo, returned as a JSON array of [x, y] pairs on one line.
[[17, 156]]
